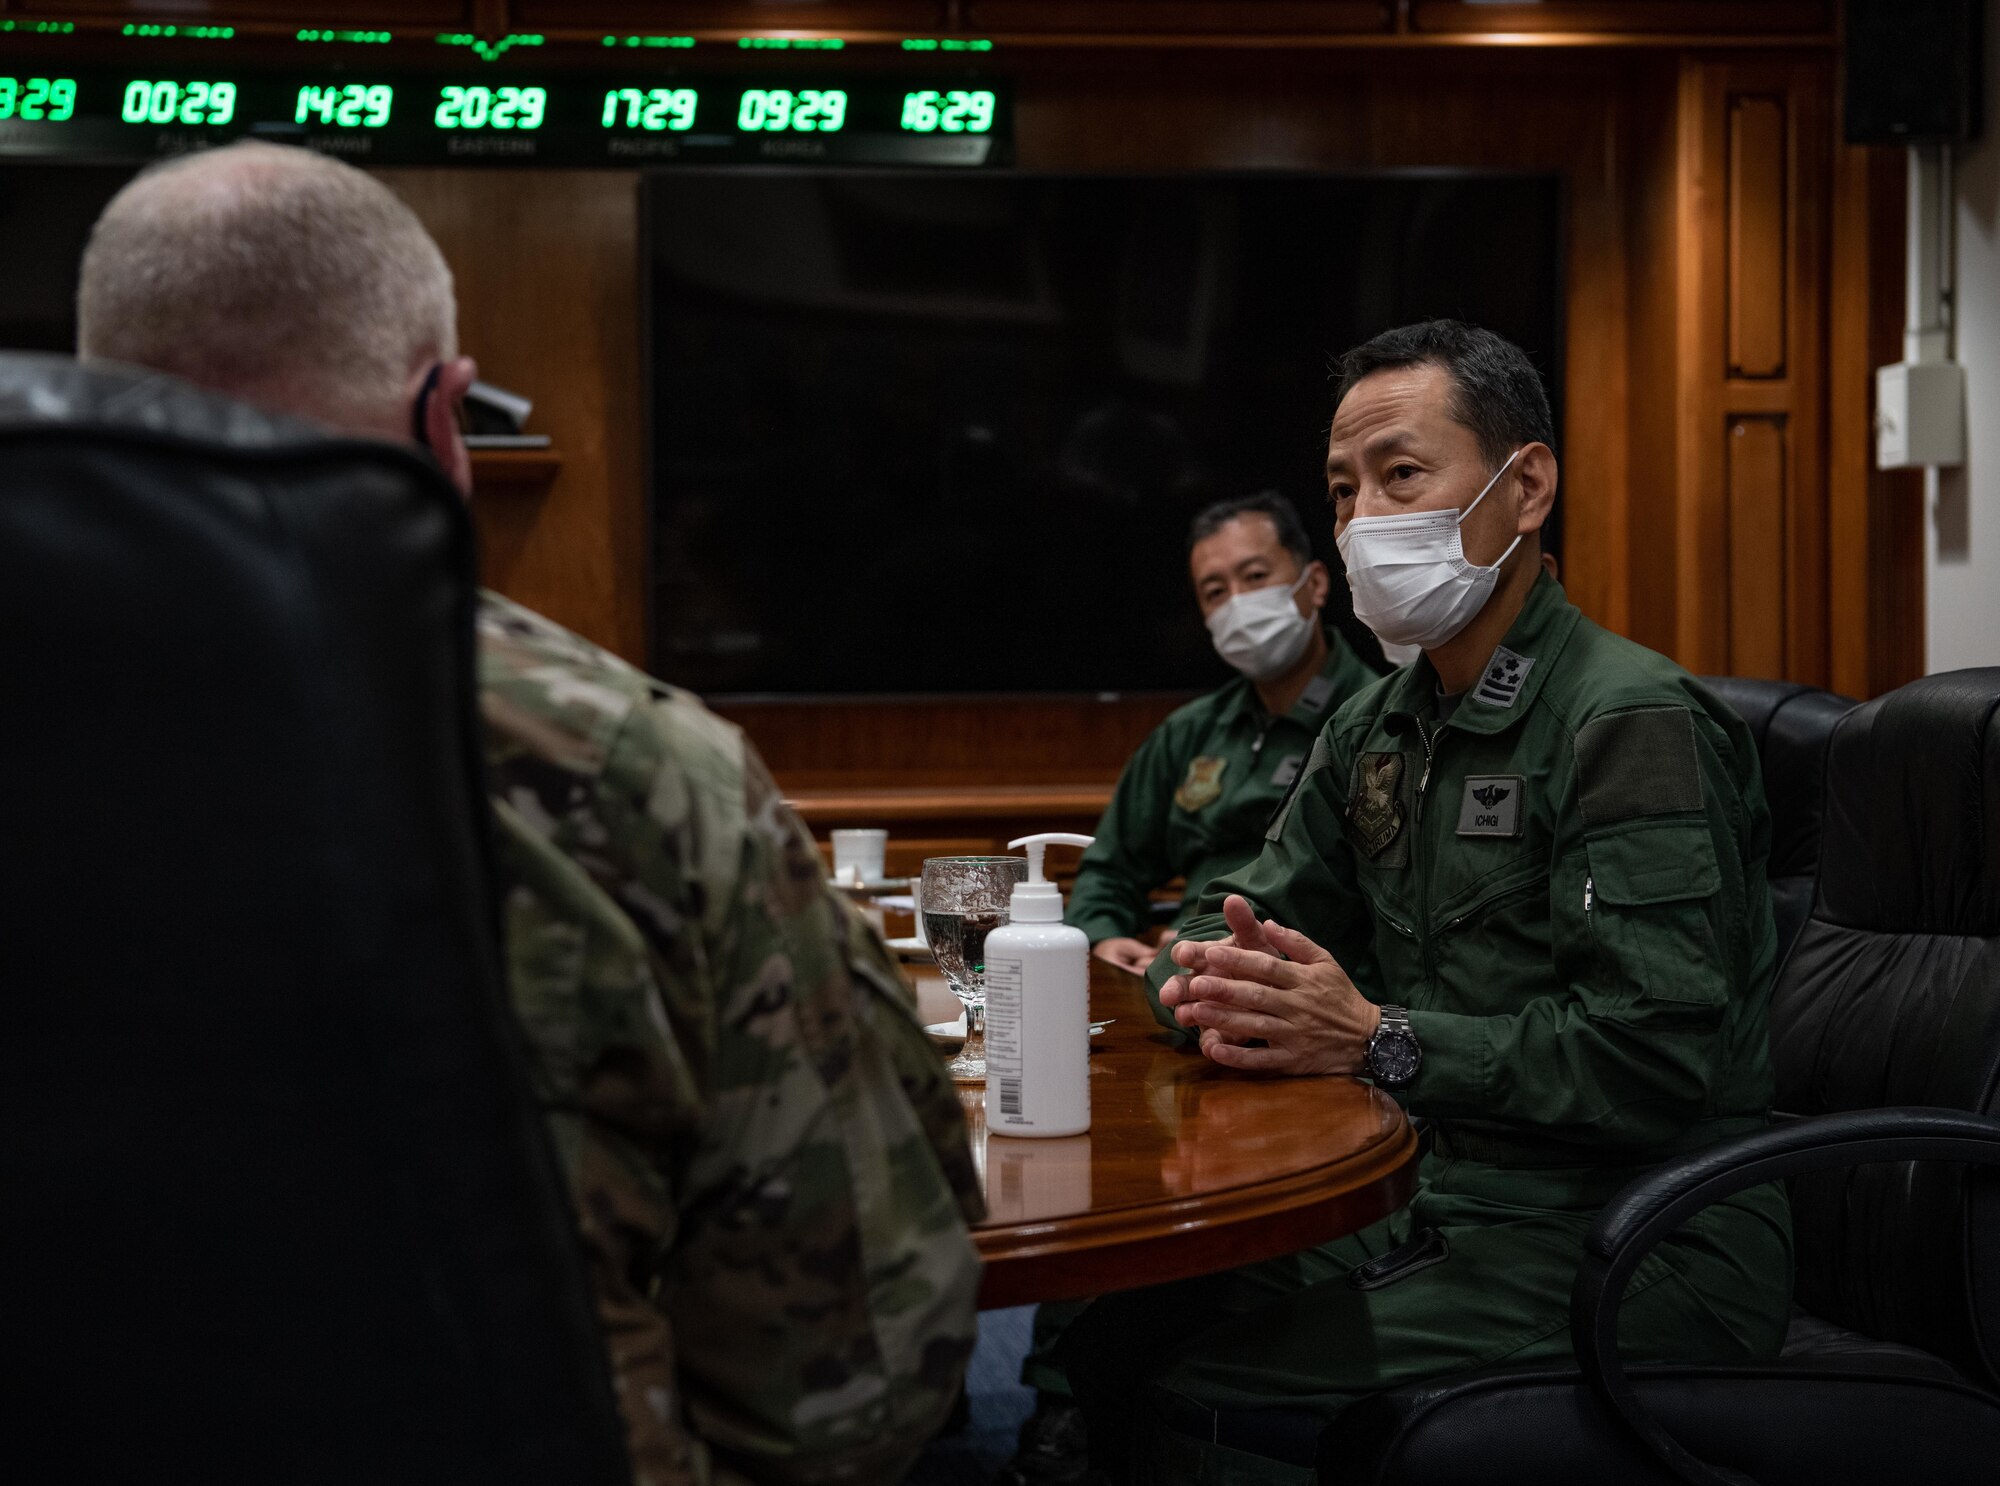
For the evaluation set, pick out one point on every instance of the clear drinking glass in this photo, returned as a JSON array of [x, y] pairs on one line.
[[963, 899]]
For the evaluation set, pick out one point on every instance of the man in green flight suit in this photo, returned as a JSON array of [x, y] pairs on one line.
[[1194, 800], [1520, 884]]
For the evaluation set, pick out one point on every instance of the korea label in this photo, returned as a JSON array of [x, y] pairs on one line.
[[1492, 805]]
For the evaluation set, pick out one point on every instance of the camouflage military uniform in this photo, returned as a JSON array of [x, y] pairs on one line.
[[769, 1161]]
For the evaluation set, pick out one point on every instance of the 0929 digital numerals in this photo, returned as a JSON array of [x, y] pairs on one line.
[[782, 111]]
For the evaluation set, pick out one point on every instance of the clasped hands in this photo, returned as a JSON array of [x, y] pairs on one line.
[[1269, 984]]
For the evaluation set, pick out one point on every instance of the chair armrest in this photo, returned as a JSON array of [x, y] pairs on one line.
[[1660, 1201]]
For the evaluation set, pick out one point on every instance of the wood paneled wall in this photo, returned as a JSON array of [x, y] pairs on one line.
[[1732, 277]]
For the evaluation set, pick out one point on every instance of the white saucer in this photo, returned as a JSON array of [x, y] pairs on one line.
[[912, 948]]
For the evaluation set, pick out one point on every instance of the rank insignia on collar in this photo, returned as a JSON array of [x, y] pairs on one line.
[[1376, 811], [1203, 785], [1500, 685]]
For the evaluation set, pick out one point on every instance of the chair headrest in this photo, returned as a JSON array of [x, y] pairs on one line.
[[41, 389], [1792, 724], [1912, 827]]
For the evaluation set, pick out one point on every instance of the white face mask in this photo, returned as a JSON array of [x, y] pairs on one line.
[[1262, 633], [1409, 575]]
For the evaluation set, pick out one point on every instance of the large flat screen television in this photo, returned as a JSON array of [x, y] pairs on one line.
[[930, 432]]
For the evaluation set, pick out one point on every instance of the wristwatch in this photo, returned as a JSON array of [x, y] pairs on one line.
[[1393, 1056]]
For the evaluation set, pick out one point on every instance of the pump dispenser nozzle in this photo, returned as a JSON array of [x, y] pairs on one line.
[[1037, 900]]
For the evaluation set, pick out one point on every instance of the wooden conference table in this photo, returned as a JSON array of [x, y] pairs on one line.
[[1188, 1168]]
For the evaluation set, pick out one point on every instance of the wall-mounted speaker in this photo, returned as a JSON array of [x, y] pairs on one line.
[[1915, 70]]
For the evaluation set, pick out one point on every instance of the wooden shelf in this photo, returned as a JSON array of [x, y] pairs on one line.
[[830, 807], [514, 471]]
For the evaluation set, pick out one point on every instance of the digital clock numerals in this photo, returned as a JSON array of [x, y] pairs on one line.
[[210, 103], [655, 109], [345, 106], [955, 112], [37, 99], [779, 111], [492, 108]]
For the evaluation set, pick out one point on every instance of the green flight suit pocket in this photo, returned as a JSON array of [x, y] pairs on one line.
[[1649, 898]]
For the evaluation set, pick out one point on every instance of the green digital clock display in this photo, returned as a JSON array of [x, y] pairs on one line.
[[620, 117], [652, 109], [929, 111], [37, 99], [202, 103], [345, 105], [780, 111], [491, 108]]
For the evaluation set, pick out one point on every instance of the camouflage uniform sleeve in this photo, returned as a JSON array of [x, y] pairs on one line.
[[769, 1163], [821, 1285]]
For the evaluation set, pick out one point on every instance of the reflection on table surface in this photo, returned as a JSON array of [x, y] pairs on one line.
[[1187, 1168]]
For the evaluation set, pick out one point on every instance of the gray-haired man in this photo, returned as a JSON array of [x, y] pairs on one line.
[[769, 1164]]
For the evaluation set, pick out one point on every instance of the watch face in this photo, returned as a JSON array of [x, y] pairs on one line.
[[1394, 1058]]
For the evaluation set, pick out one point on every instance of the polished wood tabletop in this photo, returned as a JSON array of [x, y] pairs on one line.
[[1188, 1168]]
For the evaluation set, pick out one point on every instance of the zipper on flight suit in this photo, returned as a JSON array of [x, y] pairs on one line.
[[1427, 955], [1257, 743], [1423, 782]]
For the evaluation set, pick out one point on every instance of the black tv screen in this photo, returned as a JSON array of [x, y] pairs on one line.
[[46, 212], [928, 432]]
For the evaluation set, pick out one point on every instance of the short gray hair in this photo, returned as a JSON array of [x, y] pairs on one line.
[[271, 273]]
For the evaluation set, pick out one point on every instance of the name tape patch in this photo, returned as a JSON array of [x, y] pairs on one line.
[[1492, 805], [1505, 675]]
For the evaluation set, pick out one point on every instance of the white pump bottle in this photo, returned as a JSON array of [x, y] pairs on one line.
[[1038, 1009]]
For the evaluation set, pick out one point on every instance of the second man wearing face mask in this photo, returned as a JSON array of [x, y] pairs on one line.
[[1193, 802]]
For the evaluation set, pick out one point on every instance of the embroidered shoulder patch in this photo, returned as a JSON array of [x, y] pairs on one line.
[[1636, 763], [1376, 808], [1203, 785], [1500, 685]]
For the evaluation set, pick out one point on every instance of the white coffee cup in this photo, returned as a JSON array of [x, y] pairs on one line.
[[858, 855]]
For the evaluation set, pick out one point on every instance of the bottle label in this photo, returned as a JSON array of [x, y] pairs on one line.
[[1004, 1041]]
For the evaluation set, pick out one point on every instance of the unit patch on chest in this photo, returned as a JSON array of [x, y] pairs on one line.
[[1375, 810], [1492, 805], [1203, 785]]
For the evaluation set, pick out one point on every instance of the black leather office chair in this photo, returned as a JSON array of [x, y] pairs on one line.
[[1792, 725], [1886, 1040], [276, 1204]]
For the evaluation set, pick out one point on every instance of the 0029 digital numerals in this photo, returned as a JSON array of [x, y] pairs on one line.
[[345, 106], [492, 108], [955, 112], [148, 102], [655, 109], [779, 111], [37, 100]]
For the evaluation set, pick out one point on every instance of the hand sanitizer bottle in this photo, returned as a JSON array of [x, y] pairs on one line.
[[1038, 1010]]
